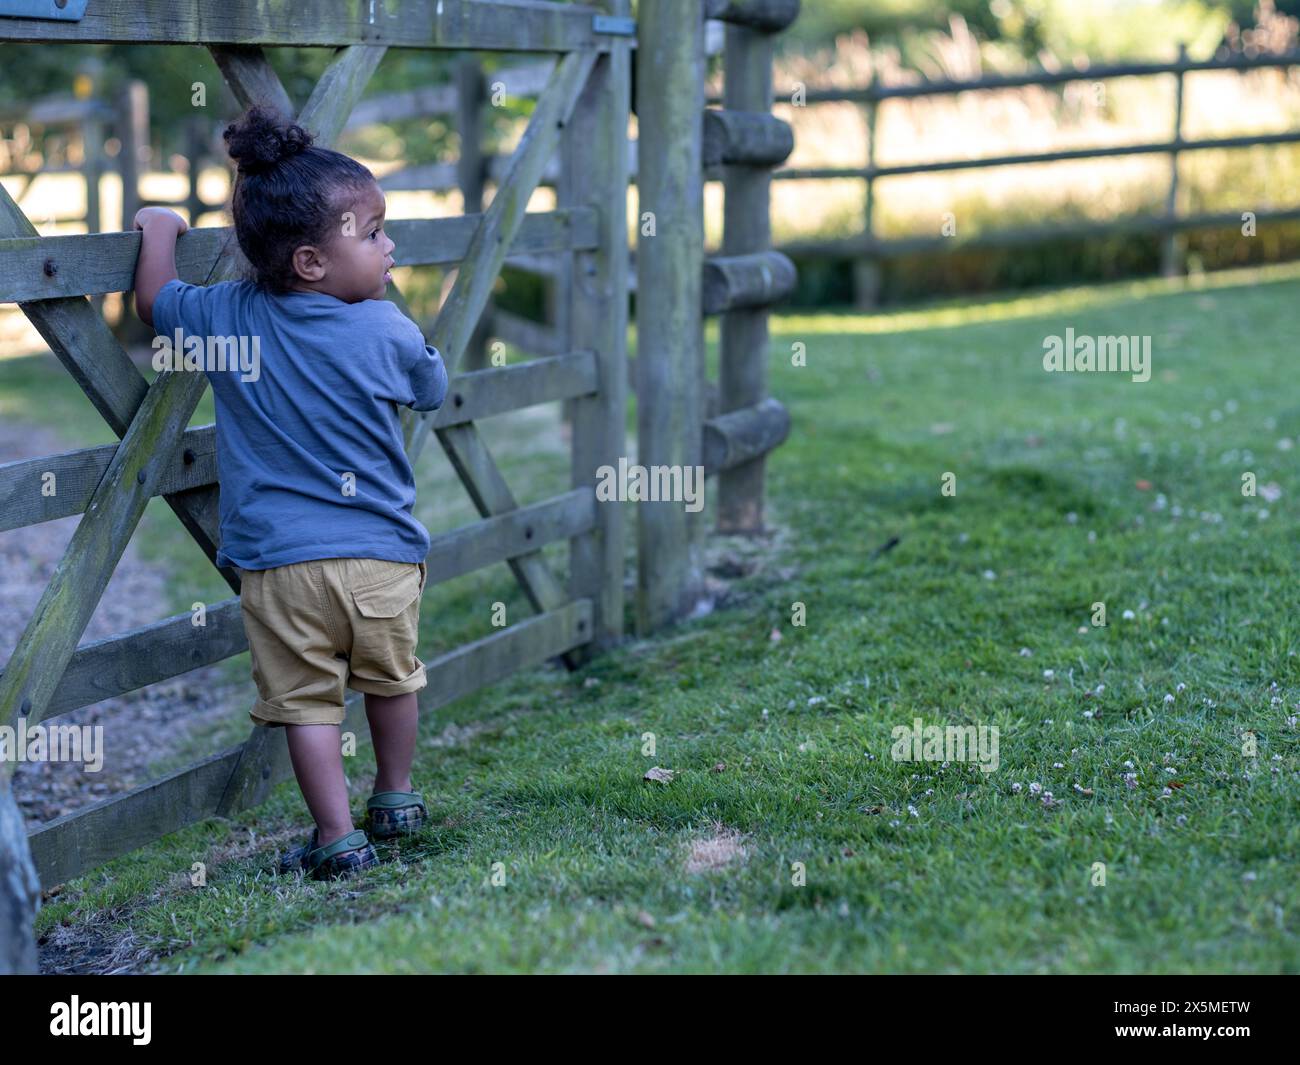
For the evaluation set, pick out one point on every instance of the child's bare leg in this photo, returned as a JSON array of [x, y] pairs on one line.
[[318, 765], [394, 720]]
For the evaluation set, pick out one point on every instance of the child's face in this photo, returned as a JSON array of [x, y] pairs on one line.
[[354, 265]]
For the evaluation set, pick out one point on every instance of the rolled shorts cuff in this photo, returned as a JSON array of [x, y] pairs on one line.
[[416, 681], [272, 716]]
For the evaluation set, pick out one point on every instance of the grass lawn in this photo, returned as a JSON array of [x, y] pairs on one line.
[[812, 849]]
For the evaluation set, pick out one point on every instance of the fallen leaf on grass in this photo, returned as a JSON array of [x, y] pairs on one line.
[[663, 776]]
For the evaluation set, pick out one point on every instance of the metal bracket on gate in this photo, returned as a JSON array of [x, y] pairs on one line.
[[61, 10], [614, 25]]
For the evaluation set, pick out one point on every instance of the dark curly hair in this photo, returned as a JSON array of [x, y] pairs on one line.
[[287, 192]]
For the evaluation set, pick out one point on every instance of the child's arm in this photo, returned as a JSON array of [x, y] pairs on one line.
[[429, 379], [157, 263]]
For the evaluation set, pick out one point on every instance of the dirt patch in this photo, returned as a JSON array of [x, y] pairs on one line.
[[721, 849], [95, 944], [139, 728]]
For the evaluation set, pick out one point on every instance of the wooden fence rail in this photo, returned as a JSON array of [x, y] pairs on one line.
[[868, 250]]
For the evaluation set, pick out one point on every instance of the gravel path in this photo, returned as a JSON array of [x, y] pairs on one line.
[[138, 727]]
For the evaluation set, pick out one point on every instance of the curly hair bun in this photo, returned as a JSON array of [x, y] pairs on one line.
[[262, 139]]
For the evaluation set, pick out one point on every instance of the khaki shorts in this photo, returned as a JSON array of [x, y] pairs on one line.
[[315, 628]]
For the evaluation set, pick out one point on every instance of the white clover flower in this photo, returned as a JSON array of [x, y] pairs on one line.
[[912, 810], [1128, 615], [1168, 698], [1015, 789], [1181, 688], [1025, 652], [1035, 788], [1048, 674], [1088, 714], [1058, 765]]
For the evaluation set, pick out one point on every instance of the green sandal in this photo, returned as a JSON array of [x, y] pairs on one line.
[[396, 813], [344, 857]]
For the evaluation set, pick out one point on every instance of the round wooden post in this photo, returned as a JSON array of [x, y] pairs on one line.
[[866, 269], [20, 892], [742, 366], [132, 160], [747, 236], [670, 322], [1171, 252], [591, 291], [196, 131]]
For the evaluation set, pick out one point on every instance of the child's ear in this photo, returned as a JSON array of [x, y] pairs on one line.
[[308, 263]]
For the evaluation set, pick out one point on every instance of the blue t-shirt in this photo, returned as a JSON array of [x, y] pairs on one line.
[[310, 455]]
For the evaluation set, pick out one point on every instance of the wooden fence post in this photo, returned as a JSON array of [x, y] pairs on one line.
[[748, 139], [1171, 254], [20, 890], [747, 228], [132, 159], [133, 138], [670, 321], [593, 171], [196, 149], [866, 268], [92, 170]]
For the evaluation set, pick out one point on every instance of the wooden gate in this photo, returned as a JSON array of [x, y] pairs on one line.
[[583, 114]]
